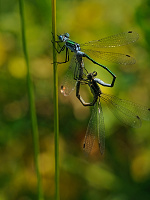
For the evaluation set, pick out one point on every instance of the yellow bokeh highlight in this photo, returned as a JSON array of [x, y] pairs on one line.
[[141, 166], [17, 68], [41, 67], [3, 54]]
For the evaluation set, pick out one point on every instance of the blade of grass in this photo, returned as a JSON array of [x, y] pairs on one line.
[[31, 102], [56, 118]]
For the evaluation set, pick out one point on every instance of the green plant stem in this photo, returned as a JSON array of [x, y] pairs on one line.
[[56, 118], [31, 102]]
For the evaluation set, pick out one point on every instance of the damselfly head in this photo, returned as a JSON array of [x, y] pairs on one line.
[[91, 75], [60, 37]]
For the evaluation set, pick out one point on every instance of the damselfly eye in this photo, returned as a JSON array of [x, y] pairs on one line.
[[94, 73], [60, 37], [67, 35]]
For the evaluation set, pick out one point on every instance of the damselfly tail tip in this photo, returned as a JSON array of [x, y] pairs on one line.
[[101, 150], [83, 146], [63, 90]]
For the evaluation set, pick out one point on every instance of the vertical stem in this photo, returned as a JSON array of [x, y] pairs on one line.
[[31, 102], [56, 118]]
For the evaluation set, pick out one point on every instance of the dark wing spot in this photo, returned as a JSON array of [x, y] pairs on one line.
[[129, 31], [149, 109], [128, 56], [138, 117]]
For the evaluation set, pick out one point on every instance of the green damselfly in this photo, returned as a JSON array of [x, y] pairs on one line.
[[104, 46]]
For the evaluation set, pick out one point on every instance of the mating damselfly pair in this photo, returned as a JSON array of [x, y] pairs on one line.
[[77, 75]]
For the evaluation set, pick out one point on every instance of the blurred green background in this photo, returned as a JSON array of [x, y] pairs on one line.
[[123, 173]]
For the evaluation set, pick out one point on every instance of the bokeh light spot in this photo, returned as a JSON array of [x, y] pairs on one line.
[[17, 68]]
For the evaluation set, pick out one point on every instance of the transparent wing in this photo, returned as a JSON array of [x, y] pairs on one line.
[[95, 127], [101, 128], [69, 82], [128, 112], [91, 132], [118, 58], [117, 40]]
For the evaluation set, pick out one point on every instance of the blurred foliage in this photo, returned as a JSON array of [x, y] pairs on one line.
[[123, 173]]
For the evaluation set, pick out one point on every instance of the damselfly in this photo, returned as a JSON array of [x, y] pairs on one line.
[[102, 45], [128, 112]]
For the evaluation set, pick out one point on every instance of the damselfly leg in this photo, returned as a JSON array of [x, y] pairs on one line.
[[61, 48]]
